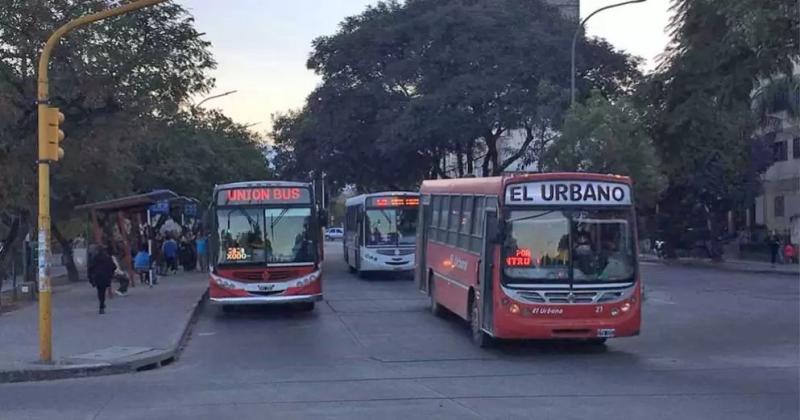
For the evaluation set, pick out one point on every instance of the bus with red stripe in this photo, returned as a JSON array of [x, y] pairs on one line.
[[532, 255], [266, 245]]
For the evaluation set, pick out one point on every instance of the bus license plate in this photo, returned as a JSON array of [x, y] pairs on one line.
[[606, 332]]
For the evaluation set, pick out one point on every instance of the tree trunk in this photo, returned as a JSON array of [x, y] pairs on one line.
[[470, 158], [69, 258], [459, 161]]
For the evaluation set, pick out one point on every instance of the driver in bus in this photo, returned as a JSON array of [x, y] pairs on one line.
[[582, 252], [376, 235]]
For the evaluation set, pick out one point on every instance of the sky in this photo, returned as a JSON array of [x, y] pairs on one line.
[[261, 46]]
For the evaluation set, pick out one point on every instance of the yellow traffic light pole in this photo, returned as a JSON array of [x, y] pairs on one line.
[[49, 150]]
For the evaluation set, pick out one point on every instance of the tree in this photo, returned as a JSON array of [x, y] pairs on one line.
[[610, 138], [191, 152], [121, 84], [407, 85], [699, 103]]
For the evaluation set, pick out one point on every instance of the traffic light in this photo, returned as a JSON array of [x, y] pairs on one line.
[[50, 134]]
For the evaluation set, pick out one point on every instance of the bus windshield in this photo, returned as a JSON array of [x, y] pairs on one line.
[[272, 235], [543, 245], [391, 227]]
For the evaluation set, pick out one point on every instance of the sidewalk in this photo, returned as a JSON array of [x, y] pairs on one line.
[[730, 265], [144, 329]]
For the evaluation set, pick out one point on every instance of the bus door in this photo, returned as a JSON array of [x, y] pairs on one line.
[[421, 271], [487, 267]]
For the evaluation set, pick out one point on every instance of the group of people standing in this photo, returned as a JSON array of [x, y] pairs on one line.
[[104, 267]]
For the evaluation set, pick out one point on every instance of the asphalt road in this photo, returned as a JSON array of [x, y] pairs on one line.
[[714, 345]]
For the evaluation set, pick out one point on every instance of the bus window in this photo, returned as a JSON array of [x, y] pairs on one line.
[[241, 237], [392, 226], [541, 245], [289, 235]]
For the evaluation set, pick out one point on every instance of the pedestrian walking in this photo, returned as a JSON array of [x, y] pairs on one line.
[[101, 271], [170, 250], [202, 252], [774, 246], [141, 263]]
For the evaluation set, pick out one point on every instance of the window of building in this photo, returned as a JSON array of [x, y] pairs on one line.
[[779, 206], [796, 148], [779, 152]]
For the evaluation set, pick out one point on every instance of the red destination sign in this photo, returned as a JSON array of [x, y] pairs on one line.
[[394, 202], [264, 195]]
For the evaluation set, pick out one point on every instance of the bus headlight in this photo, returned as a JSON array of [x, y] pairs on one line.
[[305, 281], [224, 283], [625, 307]]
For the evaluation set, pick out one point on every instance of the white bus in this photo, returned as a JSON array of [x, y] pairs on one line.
[[380, 231]]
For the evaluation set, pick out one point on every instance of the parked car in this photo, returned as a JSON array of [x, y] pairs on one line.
[[333, 234]]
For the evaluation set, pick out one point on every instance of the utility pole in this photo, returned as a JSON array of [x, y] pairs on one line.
[[575, 40], [49, 151]]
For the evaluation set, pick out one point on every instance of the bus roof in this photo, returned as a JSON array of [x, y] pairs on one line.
[[494, 185], [361, 199], [256, 184]]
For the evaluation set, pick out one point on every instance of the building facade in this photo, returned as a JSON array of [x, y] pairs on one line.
[[778, 207]]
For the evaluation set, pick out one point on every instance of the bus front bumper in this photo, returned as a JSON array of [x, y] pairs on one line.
[[265, 300]]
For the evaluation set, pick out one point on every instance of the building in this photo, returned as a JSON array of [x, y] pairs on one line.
[[778, 206]]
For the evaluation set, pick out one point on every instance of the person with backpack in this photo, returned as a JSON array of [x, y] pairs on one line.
[[101, 271]]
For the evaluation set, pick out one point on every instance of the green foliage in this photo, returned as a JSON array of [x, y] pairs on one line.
[[608, 137], [698, 105], [121, 84], [192, 152], [405, 85]]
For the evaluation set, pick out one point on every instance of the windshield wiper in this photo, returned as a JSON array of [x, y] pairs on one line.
[[534, 216]]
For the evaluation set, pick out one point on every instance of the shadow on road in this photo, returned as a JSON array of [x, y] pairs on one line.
[[264, 312]]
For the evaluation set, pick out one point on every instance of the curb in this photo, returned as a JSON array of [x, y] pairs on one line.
[[152, 359], [719, 266]]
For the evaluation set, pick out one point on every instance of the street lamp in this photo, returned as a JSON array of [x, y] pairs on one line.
[[214, 97], [575, 40]]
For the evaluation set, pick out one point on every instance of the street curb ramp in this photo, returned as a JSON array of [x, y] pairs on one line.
[[144, 361]]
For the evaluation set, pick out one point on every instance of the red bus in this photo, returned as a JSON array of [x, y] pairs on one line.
[[266, 245], [532, 256]]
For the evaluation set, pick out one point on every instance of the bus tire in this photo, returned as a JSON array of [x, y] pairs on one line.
[[306, 306], [228, 309], [596, 341], [479, 337]]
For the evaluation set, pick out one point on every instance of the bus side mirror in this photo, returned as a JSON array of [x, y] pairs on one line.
[[323, 218]]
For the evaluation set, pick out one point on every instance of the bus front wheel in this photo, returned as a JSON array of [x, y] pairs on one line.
[[479, 337]]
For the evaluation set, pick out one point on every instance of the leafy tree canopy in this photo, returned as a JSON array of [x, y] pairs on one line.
[[608, 137], [405, 85]]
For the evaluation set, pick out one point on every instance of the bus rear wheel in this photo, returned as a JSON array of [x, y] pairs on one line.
[[479, 337]]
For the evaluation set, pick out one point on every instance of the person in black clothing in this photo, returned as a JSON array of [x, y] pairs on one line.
[[101, 271], [774, 246]]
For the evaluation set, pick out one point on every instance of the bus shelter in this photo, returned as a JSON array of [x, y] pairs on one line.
[[128, 223]]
